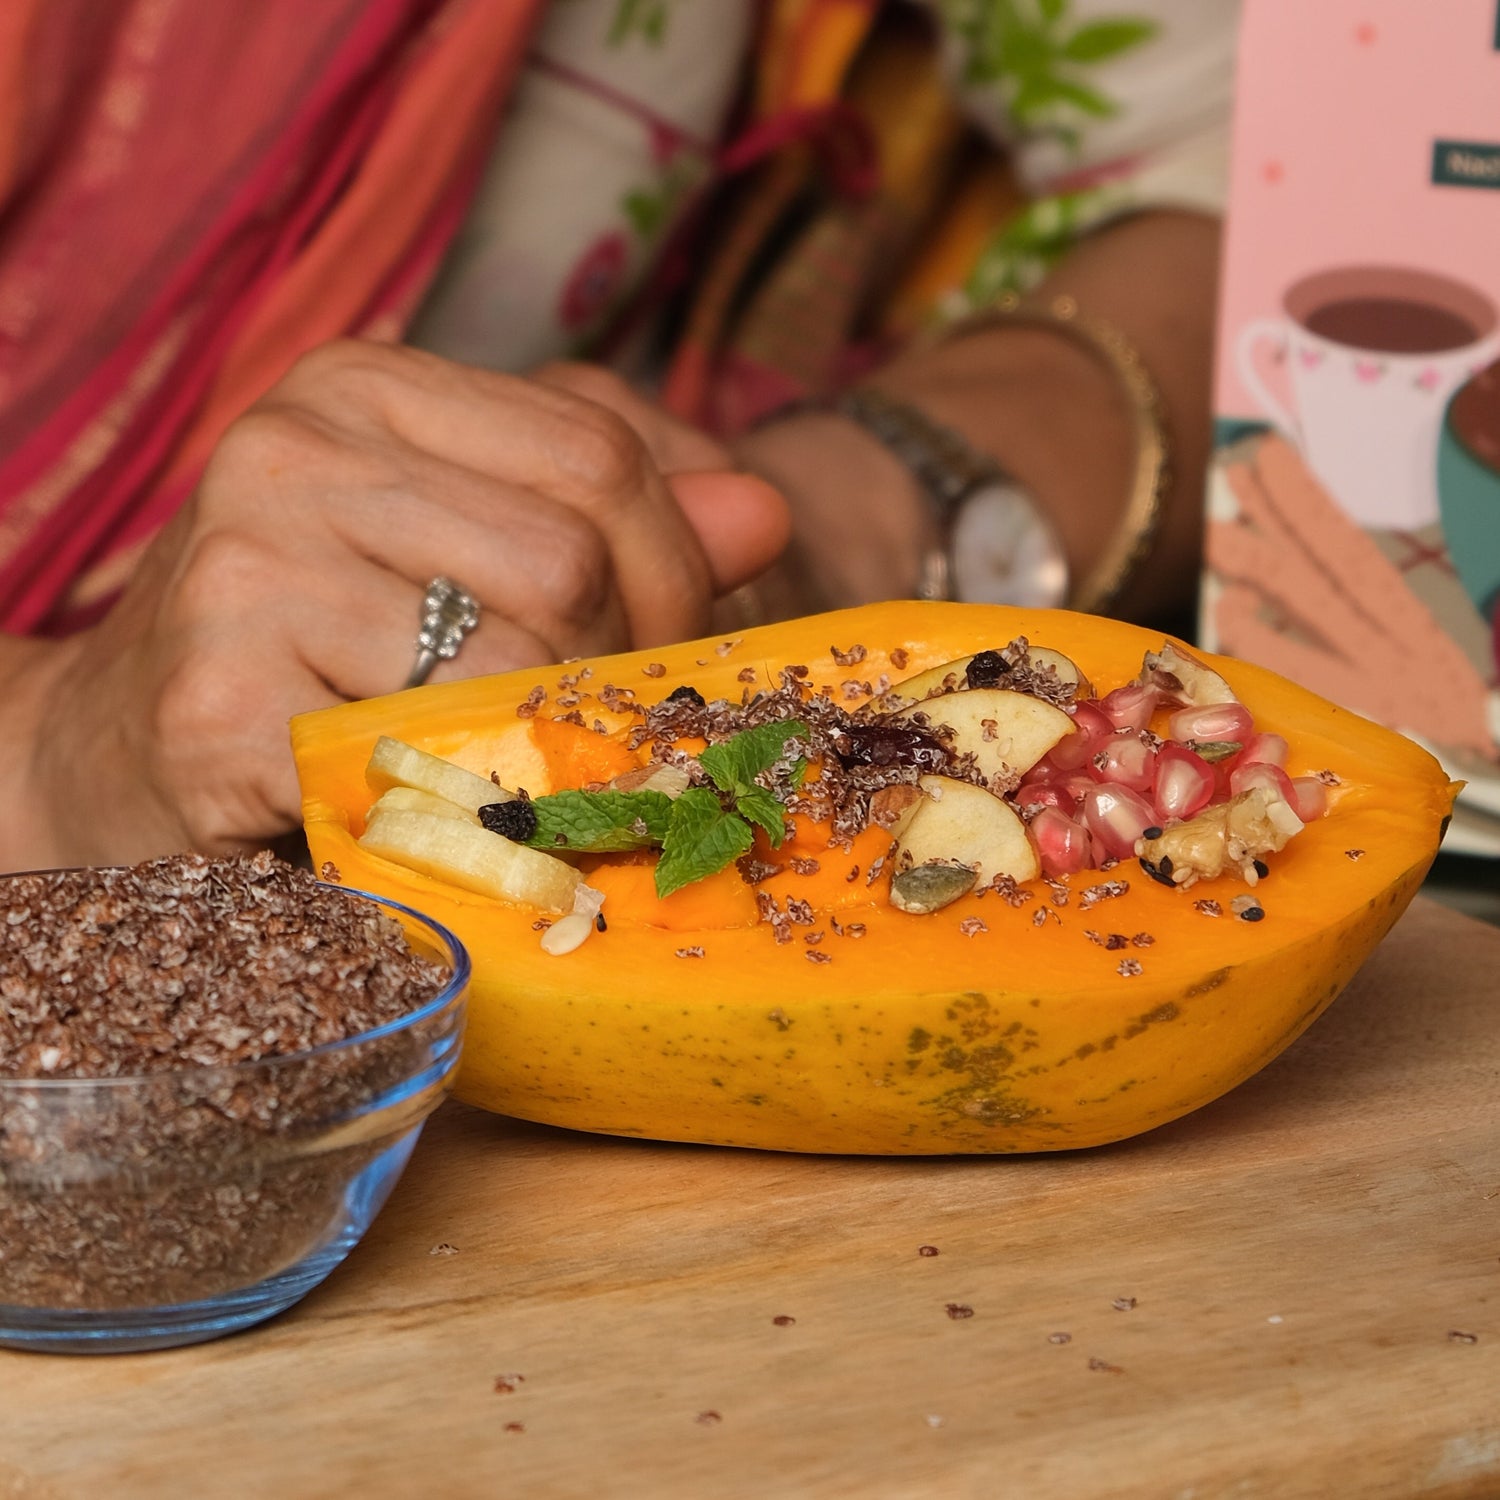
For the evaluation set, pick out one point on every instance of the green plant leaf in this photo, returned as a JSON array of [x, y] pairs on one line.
[[1082, 97], [1098, 40], [756, 805], [701, 840], [1052, 11], [1037, 96], [600, 822], [645, 211], [736, 762]]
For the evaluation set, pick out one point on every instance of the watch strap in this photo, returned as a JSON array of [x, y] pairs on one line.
[[946, 466]]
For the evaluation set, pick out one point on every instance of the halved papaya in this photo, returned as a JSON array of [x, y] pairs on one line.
[[1024, 1016]]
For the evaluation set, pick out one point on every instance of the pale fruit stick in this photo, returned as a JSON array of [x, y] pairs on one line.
[[409, 799], [395, 763], [467, 855]]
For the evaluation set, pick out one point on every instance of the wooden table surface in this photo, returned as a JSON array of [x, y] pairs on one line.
[[1295, 1292]]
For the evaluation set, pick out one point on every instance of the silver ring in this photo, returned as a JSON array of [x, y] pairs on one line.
[[448, 615]]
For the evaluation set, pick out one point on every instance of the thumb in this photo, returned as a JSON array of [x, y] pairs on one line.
[[742, 523]]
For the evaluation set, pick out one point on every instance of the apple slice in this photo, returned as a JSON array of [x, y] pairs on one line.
[[952, 676], [962, 824], [464, 854], [947, 678], [1041, 658], [409, 799], [395, 763], [1182, 679], [1007, 732]]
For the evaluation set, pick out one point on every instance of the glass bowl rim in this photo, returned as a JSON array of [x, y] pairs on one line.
[[453, 990]]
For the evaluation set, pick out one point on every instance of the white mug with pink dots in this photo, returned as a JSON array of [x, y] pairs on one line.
[[1371, 355]]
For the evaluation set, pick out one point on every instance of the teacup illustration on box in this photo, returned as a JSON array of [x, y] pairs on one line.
[[1371, 355]]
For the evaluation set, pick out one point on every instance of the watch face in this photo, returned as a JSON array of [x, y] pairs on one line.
[[1004, 552]]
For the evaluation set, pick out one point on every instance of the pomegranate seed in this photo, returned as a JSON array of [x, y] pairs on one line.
[[1046, 794], [1127, 760], [1045, 772], [1184, 783], [1117, 817], [1062, 843], [1092, 720], [1075, 784], [1309, 798], [1131, 706], [1263, 749], [1217, 721], [1273, 778], [1090, 729]]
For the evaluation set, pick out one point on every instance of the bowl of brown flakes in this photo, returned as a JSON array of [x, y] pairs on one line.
[[212, 1073]]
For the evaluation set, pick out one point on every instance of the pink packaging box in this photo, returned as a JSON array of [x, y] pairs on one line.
[[1354, 494]]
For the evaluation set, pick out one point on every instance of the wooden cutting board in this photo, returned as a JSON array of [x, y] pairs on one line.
[[1295, 1292]]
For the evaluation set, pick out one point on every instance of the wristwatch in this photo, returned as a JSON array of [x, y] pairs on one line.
[[996, 545]]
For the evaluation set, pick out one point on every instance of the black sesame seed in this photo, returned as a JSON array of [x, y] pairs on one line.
[[600, 925], [1164, 864], [1153, 832], [511, 820], [1154, 871], [986, 668], [1262, 868], [687, 694], [1253, 913]]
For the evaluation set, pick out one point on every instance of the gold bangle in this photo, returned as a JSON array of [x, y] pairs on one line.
[[1132, 538]]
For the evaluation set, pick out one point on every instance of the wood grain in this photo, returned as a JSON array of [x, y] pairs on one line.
[[1301, 1257]]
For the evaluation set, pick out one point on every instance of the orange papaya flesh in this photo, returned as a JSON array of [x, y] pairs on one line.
[[1046, 1021], [575, 755]]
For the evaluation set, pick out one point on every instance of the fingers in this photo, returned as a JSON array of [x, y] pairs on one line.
[[294, 577], [533, 438], [544, 577], [742, 523], [675, 446]]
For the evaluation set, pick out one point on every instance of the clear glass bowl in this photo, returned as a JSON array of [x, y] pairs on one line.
[[169, 1208]]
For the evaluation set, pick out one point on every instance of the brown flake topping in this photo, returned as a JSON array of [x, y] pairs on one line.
[[187, 961]]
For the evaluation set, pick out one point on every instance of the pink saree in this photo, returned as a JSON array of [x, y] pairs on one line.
[[332, 151]]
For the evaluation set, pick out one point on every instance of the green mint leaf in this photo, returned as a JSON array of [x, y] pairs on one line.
[[736, 762], [756, 805], [701, 840], [1096, 40], [601, 822]]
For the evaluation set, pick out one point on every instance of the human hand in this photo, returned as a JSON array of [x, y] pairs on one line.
[[293, 579]]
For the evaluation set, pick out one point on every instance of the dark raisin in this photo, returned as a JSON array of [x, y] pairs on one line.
[[890, 745], [511, 820], [686, 694], [986, 668]]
